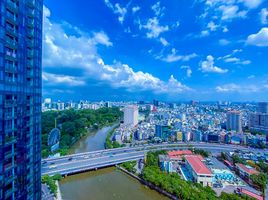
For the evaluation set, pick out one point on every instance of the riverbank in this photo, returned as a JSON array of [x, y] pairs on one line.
[[93, 141], [150, 185], [108, 183], [75, 125]]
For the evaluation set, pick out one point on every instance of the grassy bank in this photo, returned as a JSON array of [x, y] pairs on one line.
[[51, 182]]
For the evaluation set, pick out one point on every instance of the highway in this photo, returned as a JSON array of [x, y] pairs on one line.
[[81, 162]]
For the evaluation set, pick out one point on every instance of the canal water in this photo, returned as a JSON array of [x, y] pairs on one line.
[[103, 184]]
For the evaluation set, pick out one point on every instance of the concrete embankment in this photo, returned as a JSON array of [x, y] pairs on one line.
[[150, 185], [58, 197]]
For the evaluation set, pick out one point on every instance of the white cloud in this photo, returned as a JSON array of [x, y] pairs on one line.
[[207, 66], [174, 57], [204, 33], [233, 59], [117, 9], [251, 3], [236, 60], [80, 53], [102, 38], [231, 11], [164, 41], [212, 26], [188, 70], [135, 9], [227, 88], [225, 29], [264, 15], [158, 10], [224, 42], [154, 28], [52, 79], [259, 39]]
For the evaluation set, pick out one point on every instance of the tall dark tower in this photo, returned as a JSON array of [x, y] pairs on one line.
[[20, 99]]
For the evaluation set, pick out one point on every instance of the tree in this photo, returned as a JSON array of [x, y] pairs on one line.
[[260, 180]]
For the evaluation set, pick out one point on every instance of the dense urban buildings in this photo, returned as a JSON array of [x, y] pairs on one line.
[[20, 99]]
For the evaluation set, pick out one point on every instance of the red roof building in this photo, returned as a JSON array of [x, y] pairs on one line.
[[179, 153], [200, 172], [251, 194], [246, 170]]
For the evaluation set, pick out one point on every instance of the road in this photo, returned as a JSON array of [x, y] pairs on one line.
[[81, 162]]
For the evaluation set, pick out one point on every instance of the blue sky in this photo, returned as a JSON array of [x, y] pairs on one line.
[[172, 50]]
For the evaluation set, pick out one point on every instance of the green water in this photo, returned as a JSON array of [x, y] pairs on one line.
[[104, 184]]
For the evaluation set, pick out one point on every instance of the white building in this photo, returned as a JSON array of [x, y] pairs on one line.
[[131, 115]]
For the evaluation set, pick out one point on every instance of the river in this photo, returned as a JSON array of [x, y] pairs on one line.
[[103, 184]]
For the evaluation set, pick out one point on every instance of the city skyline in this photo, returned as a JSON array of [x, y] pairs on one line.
[[157, 49]]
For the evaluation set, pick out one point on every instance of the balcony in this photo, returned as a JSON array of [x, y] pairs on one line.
[[29, 102], [30, 54], [30, 13], [10, 103], [11, 80], [30, 3], [12, 6], [9, 179], [29, 74], [8, 154], [30, 43], [10, 140], [29, 123], [29, 64], [10, 68], [30, 23], [11, 19], [30, 33], [10, 115], [9, 192], [11, 31], [12, 44], [11, 56]]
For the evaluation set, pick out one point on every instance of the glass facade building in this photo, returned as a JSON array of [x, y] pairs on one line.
[[20, 99]]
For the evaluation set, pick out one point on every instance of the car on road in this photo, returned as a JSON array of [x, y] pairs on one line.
[[45, 162], [70, 159], [52, 163]]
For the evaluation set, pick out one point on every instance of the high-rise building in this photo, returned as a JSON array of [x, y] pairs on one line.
[[131, 115], [262, 107], [234, 121], [162, 131], [259, 122], [156, 103], [20, 99]]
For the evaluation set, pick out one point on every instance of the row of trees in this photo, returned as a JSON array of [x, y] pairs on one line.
[[130, 166], [51, 182], [173, 183], [74, 124]]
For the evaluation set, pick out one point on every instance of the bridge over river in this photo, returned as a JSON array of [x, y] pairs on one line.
[[81, 162]]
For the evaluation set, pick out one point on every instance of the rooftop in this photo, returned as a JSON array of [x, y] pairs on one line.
[[251, 194], [180, 152], [197, 165], [247, 169]]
